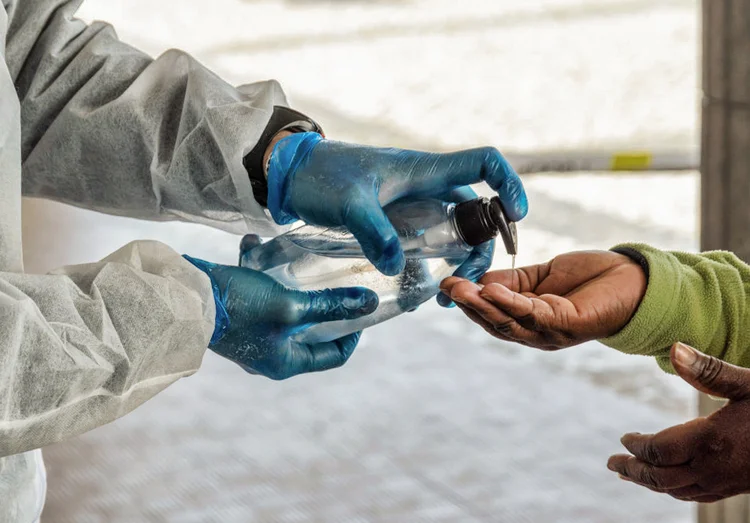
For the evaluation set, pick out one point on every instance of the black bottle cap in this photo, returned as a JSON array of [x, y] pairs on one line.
[[481, 220]]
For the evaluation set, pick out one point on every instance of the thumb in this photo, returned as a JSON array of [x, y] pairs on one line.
[[377, 236], [329, 355], [247, 244], [271, 255], [710, 375], [339, 304]]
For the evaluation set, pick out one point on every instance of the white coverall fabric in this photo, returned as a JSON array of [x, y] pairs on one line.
[[90, 121]]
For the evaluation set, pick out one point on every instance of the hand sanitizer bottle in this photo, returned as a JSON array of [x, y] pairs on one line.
[[436, 237]]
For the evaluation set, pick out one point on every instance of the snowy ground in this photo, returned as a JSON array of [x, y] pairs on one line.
[[432, 420]]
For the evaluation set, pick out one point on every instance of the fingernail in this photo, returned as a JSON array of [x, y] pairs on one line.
[[392, 260], [444, 300], [685, 355], [350, 302], [625, 478], [363, 300]]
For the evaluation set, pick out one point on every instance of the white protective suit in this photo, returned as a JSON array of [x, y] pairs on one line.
[[90, 121]]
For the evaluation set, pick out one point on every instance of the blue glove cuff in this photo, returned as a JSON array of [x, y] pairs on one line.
[[221, 322], [286, 158]]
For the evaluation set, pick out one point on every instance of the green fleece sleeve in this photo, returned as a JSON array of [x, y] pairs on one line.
[[698, 299]]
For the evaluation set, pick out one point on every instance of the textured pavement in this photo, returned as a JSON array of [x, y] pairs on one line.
[[432, 420]]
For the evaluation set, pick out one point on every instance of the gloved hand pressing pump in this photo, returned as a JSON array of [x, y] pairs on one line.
[[329, 183], [256, 318]]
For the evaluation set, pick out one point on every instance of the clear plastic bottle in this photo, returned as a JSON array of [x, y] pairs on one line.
[[436, 237]]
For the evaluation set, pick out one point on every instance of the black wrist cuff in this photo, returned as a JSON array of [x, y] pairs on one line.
[[282, 119], [636, 256]]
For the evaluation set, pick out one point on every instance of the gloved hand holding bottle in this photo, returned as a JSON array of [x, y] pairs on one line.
[[329, 183], [256, 318]]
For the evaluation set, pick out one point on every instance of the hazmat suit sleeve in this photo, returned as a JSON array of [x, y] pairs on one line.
[[108, 128], [86, 344]]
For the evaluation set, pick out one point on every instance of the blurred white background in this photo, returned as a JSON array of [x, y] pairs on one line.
[[432, 420]]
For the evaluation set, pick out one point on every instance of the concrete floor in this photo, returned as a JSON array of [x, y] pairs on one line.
[[432, 420]]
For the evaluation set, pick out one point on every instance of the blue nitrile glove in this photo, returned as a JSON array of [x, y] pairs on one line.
[[480, 259], [256, 318], [330, 183]]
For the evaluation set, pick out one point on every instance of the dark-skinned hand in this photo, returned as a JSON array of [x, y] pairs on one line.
[[582, 296], [704, 460], [576, 297]]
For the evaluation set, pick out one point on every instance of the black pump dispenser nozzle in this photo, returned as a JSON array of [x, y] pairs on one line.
[[482, 219]]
